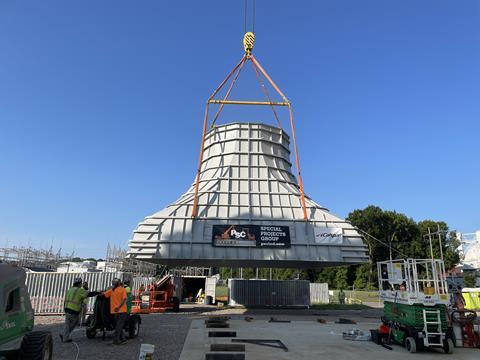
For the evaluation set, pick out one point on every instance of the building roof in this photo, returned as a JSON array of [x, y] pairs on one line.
[[246, 179]]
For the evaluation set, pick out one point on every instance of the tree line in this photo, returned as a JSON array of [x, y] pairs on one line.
[[386, 233]]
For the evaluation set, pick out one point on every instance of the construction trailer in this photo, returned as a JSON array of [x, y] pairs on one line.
[[415, 295], [197, 289], [169, 291]]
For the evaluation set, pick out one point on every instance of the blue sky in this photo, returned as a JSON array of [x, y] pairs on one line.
[[101, 105]]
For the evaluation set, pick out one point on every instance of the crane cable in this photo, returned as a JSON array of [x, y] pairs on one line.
[[245, 16], [248, 43]]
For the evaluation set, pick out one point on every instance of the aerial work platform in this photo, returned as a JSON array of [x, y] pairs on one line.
[[246, 208], [413, 281]]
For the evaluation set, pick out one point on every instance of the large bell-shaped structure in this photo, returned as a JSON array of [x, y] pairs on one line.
[[246, 208]]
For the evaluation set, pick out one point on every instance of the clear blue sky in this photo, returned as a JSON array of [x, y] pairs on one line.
[[101, 104]]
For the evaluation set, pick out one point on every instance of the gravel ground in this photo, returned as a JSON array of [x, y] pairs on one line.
[[168, 331]]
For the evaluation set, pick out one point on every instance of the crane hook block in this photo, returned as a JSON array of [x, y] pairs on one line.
[[248, 41]]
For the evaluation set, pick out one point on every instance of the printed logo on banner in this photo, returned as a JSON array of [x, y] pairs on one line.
[[251, 236], [274, 236], [328, 235]]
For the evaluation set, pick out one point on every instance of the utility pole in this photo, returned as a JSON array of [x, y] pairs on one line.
[[440, 241], [430, 239]]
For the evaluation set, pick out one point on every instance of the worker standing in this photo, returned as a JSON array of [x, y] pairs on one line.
[[128, 290], [118, 307], [459, 300], [74, 299], [341, 297], [83, 311]]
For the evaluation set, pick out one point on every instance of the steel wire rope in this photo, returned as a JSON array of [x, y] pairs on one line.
[[245, 10], [253, 20], [266, 93], [383, 243], [234, 80]]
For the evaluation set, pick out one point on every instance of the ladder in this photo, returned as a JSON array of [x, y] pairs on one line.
[[432, 318]]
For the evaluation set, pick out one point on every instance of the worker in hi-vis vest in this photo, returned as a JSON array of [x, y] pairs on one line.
[[74, 299], [128, 289], [118, 308]]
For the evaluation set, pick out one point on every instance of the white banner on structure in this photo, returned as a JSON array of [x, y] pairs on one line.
[[328, 235]]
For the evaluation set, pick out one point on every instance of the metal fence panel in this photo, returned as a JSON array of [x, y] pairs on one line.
[[319, 293], [271, 293], [47, 290], [141, 280]]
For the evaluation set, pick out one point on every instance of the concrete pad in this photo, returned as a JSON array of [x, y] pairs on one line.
[[307, 340]]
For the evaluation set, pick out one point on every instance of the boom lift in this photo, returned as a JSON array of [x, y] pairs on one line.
[[157, 299]]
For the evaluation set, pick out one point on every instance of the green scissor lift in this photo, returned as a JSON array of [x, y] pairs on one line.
[[17, 340], [415, 296]]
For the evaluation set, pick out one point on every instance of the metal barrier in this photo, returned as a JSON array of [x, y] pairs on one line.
[[47, 290], [319, 293], [269, 293]]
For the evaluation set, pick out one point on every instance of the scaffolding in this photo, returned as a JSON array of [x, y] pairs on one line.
[[116, 260], [28, 257]]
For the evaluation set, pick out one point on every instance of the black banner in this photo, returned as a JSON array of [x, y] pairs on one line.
[[263, 236]]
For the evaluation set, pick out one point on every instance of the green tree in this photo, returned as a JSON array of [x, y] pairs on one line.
[[327, 275], [341, 278], [439, 233], [469, 279], [388, 233], [391, 232], [363, 276], [451, 254]]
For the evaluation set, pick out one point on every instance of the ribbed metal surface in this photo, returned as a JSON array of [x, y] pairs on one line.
[[268, 292], [47, 290], [246, 179], [319, 293]]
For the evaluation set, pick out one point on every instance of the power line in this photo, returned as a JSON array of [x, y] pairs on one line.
[[383, 243]]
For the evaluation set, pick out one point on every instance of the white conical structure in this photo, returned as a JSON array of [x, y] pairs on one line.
[[249, 211]]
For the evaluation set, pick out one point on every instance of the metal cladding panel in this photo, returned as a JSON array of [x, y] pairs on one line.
[[210, 287], [246, 180], [270, 293], [319, 293]]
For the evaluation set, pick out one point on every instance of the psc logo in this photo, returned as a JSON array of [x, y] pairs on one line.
[[238, 234]]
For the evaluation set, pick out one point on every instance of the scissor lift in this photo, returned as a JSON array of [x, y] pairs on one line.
[[415, 295]]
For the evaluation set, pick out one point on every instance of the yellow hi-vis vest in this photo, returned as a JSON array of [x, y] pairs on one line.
[[74, 298], [129, 299]]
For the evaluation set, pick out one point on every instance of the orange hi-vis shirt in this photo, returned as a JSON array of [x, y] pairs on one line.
[[116, 296]]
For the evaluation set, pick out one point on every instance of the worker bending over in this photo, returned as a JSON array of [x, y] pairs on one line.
[[118, 307], [74, 299]]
